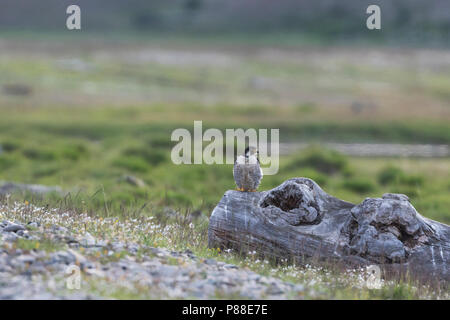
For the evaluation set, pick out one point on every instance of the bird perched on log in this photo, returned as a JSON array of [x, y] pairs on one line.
[[247, 171]]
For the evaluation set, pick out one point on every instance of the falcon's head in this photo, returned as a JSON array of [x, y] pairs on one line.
[[251, 151]]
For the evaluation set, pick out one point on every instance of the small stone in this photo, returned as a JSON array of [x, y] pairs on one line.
[[274, 290], [133, 249], [9, 237], [175, 254], [88, 240], [88, 265], [210, 262], [13, 227], [79, 259], [117, 246], [10, 187], [95, 272], [74, 245], [26, 258], [33, 225], [64, 257], [56, 228]]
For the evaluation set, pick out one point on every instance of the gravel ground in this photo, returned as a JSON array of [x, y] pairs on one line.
[[42, 250], [114, 269]]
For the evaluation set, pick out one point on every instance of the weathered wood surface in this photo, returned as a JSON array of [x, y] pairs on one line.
[[300, 221]]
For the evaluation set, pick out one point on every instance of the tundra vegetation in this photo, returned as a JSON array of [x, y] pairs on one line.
[[97, 121]]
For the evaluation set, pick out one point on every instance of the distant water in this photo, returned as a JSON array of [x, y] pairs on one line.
[[377, 149]]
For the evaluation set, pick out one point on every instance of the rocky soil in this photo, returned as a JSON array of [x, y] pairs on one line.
[[109, 269]]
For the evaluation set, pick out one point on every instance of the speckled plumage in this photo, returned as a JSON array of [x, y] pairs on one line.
[[247, 172]]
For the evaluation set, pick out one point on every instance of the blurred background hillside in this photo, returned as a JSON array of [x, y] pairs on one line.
[[407, 21], [361, 112]]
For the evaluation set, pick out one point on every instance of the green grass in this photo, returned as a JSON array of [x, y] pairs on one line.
[[44, 244], [92, 171]]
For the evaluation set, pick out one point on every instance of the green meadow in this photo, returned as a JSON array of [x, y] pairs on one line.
[[83, 112], [90, 152]]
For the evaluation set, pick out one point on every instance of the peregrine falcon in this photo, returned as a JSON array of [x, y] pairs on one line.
[[247, 171]]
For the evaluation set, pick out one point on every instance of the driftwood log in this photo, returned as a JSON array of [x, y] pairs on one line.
[[299, 221]]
